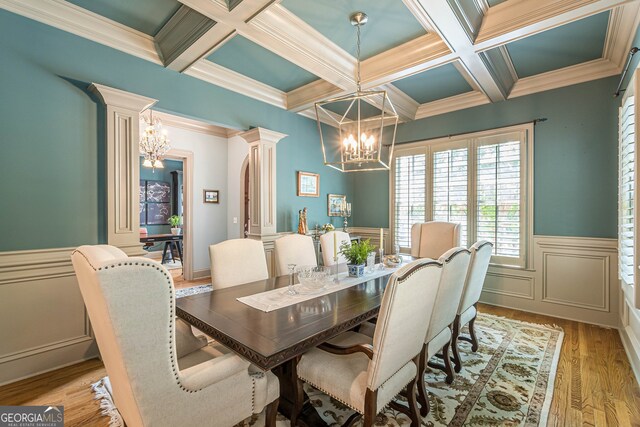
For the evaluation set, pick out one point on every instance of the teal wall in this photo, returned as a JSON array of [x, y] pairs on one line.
[[52, 173], [575, 157]]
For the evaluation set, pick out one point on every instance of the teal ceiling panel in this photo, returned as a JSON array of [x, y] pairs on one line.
[[252, 60], [571, 44], [431, 85], [495, 2], [390, 22], [147, 16]]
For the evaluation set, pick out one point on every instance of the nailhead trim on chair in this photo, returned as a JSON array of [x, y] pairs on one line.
[[172, 316]]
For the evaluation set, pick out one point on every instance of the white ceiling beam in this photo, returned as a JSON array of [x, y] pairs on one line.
[[81, 22], [514, 20], [580, 73], [453, 103], [438, 14], [229, 79]]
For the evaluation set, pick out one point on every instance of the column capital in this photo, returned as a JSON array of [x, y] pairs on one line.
[[119, 98], [261, 135]]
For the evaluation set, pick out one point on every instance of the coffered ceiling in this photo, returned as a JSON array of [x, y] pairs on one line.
[[432, 56]]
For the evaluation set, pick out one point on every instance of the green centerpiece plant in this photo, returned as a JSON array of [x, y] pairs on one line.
[[356, 254]]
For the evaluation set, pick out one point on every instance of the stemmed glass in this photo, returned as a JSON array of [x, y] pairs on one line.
[[290, 289]]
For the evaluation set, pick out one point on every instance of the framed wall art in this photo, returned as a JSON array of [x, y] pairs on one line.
[[335, 204], [308, 184], [211, 196]]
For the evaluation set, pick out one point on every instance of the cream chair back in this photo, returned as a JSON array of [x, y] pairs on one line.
[[480, 257], [294, 249], [113, 287], [237, 261], [406, 308], [432, 239], [455, 266], [326, 243]]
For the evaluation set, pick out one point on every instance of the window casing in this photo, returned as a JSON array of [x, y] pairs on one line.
[[482, 181]]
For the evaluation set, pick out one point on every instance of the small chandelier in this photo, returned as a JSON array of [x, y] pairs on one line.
[[154, 143], [357, 131]]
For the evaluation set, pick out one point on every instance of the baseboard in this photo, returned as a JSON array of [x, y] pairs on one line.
[[632, 348], [201, 274], [511, 307]]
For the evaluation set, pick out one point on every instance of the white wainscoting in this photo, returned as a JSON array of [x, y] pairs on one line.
[[44, 322], [569, 277], [630, 328]]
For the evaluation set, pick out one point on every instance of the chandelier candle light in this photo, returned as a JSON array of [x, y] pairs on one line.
[[154, 143], [357, 131]]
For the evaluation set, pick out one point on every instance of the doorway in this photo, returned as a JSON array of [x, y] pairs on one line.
[[244, 198], [167, 193]]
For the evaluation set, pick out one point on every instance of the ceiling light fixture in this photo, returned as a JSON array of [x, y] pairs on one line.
[[357, 131], [154, 143]]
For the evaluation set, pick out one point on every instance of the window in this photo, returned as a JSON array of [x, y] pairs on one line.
[[409, 201], [626, 186], [478, 180]]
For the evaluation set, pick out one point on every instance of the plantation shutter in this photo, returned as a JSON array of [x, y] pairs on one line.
[[626, 187], [410, 196], [450, 182], [499, 205]]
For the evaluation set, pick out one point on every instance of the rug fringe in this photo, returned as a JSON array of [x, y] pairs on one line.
[[106, 404], [553, 326]]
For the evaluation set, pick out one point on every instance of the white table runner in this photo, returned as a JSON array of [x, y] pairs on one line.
[[278, 298]]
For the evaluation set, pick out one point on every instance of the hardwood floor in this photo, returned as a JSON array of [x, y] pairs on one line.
[[594, 384]]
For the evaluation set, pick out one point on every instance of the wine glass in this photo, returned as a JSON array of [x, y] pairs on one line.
[[290, 289]]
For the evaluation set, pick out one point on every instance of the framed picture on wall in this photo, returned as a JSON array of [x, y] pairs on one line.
[[335, 204], [158, 213], [158, 192], [308, 184], [211, 196]]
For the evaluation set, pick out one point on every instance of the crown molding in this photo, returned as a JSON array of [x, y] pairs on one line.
[[580, 73], [454, 103], [262, 135], [192, 125], [236, 82], [405, 106], [623, 22], [514, 20], [81, 22]]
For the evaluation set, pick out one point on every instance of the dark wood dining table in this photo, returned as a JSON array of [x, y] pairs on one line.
[[274, 340]]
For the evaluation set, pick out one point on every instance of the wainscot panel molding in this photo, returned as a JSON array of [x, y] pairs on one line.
[[40, 297], [630, 328], [571, 277], [373, 234]]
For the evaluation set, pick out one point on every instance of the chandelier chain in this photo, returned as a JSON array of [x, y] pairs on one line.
[[358, 57]]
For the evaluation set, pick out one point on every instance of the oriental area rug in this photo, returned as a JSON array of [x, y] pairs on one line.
[[507, 382]]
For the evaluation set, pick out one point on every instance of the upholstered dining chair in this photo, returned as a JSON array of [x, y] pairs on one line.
[[478, 265], [326, 243], [366, 373], [237, 261], [432, 239], [294, 249], [161, 374], [438, 338]]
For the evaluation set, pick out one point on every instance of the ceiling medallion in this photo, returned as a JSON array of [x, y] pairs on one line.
[[357, 131]]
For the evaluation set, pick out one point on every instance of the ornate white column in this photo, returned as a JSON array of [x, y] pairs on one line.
[[262, 180], [262, 188], [123, 165]]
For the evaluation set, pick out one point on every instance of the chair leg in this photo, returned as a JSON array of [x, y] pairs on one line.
[[411, 398], [270, 414], [472, 332], [447, 363], [370, 408], [423, 398], [457, 362]]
